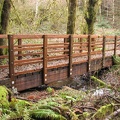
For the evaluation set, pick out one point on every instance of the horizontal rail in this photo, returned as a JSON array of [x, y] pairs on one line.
[[3, 36], [27, 36], [28, 62], [64, 51], [23, 49]]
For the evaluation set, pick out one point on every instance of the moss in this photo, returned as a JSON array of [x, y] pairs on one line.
[[4, 103], [90, 12], [71, 16]]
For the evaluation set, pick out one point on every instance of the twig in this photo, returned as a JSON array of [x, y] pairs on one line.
[[113, 98], [86, 107], [21, 98], [112, 115]]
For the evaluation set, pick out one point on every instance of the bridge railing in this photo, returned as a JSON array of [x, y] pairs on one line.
[[34, 53]]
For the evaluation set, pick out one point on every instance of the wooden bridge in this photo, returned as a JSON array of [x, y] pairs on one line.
[[34, 60]]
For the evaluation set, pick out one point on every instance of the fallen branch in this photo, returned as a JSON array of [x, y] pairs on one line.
[[118, 101], [21, 98], [112, 115], [101, 82], [86, 107]]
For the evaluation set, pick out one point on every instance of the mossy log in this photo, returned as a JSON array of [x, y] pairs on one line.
[[100, 82]]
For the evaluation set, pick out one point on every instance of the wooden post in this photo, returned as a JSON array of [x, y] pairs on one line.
[[89, 53], [44, 58], [115, 45], [70, 54], [19, 52], [80, 39], [103, 51], [11, 59]]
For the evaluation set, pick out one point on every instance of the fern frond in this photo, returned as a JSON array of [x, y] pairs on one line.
[[46, 113], [116, 60]]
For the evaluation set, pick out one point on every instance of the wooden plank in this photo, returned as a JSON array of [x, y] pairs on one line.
[[110, 50], [3, 56], [52, 44], [80, 36], [70, 54], [11, 60], [96, 52], [3, 66], [58, 56], [58, 51], [115, 45], [78, 43], [89, 53], [57, 66], [26, 72], [30, 80], [27, 60], [57, 74], [45, 42], [3, 46], [80, 54], [77, 49], [29, 45], [96, 36], [79, 62], [58, 36], [23, 49], [28, 36], [109, 37], [3, 36], [58, 46], [108, 43], [103, 51], [26, 63]]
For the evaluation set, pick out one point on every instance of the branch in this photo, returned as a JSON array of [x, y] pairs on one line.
[[113, 98], [86, 107], [112, 115], [101, 82]]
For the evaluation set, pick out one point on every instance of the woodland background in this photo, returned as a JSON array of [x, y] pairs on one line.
[[51, 16]]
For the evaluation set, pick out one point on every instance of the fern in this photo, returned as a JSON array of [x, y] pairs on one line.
[[26, 115], [116, 60], [46, 113]]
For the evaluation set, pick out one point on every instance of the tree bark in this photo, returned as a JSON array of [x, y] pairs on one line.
[[91, 8], [71, 16], [4, 18]]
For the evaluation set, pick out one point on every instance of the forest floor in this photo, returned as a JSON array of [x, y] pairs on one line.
[[86, 98], [95, 96]]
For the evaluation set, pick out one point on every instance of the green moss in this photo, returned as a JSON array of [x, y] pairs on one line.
[[102, 111], [4, 103]]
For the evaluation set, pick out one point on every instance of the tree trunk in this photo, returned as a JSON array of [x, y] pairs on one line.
[[91, 8], [4, 18], [71, 16]]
